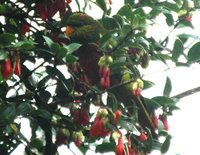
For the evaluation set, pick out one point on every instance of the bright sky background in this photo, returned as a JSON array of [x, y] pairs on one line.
[[184, 124]]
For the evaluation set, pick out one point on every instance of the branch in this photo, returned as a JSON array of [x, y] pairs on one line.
[[187, 93]]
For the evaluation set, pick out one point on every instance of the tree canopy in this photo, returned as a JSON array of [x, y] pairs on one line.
[[77, 79]]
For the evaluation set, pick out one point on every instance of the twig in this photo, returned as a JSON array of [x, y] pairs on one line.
[[187, 93]]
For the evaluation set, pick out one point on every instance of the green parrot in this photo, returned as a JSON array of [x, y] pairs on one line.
[[83, 29]]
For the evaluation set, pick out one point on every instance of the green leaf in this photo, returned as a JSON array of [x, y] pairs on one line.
[[166, 144], [130, 2], [119, 19], [41, 113], [2, 55], [102, 4], [105, 147], [110, 23], [72, 47], [196, 3], [126, 11], [156, 145], [194, 53], [185, 35], [164, 101], [55, 47], [169, 19], [42, 83], [36, 143], [147, 84], [168, 87], [177, 50], [48, 41], [129, 126], [185, 23], [24, 45], [45, 96], [4, 9], [8, 113], [171, 6], [62, 52], [23, 108], [151, 104], [70, 59], [126, 29], [105, 38], [7, 38]]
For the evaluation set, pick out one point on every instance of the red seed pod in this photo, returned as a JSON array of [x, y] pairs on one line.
[[143, 137], [119, 150], [6, 69]]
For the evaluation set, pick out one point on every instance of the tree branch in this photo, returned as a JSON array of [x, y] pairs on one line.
[[187, 93]]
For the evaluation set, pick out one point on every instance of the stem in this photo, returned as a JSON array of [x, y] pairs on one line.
[[187, 93]]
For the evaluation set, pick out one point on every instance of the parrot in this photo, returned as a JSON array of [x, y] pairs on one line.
[[82, 28]]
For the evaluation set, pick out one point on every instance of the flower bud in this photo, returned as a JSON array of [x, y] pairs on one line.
[[143, 137], [119, 150]]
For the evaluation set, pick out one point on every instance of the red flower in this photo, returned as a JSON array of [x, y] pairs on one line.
[[68, 1], [119, 150], [6, 69], [42, 10], [98, 129], [81, 117], [164, 121], [117, 115], [60, 139], [61, 7], [155, 121], [17, 69], [62, 136], [104, 73], [25, 28], [188, 18], [137, 92], [78, 142], [143, 137]]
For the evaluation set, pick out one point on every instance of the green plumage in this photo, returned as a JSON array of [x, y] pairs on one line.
[[86, 29]]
